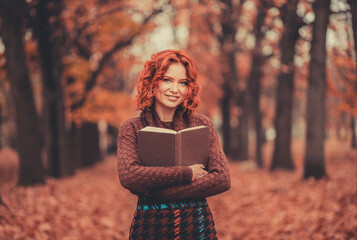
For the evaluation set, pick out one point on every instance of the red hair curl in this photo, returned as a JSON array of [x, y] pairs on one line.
[[153, 73]]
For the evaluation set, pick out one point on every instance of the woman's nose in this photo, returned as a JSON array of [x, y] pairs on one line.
[[174, 87]]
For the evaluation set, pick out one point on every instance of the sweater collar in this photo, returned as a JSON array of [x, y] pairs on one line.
[[149, 117]]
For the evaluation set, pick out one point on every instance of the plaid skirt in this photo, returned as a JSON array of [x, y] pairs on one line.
[[172, 220]]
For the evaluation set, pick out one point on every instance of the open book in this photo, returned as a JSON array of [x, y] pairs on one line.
[[165, 147]]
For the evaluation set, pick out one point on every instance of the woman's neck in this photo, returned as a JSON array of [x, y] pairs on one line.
[[165, 115]]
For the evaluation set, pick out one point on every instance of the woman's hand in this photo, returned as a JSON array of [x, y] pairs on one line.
[[198, 171]]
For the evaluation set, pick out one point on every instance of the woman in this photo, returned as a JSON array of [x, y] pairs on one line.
[[171, 200]]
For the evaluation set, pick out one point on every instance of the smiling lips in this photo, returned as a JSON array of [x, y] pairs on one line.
[[171, 97]]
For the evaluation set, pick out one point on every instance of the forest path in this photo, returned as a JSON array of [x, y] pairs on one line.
[[260, 205]]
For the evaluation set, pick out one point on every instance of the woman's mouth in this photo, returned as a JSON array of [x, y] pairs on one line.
[[171, 97]]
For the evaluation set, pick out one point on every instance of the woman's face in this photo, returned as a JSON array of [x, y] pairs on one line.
[[173, 89]]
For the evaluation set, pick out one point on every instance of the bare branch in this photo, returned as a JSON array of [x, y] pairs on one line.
[[79, 31], [108, 55]]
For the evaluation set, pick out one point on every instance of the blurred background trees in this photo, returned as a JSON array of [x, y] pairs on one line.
[[315, 113], [269, 71], [29, 139]]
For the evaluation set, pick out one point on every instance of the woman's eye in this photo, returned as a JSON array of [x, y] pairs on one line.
[[184, 83], [167, 80]]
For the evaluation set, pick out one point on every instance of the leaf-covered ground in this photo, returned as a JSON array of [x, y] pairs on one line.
[[260, 204]]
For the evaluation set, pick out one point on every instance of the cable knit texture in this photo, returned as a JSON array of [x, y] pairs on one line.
[[169, 183]]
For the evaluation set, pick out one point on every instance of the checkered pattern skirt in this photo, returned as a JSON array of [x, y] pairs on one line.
[[172, 220]]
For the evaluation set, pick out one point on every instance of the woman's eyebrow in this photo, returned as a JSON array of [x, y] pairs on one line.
[[165, 76]]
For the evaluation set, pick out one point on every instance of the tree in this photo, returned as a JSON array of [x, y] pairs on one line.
[[50, 33], [7, 108], [314, 164], [1, 121], [85, 50], [203, 44], [284, 104], [353, 5], [229, 73], [103, 33], [241, 95], [254, 85], [213, 25], [29, 137]]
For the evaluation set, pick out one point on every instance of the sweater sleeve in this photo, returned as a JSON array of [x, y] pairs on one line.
[[142, 179], [216, 181]]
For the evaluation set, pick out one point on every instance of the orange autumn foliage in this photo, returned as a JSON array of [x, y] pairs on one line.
[[105, 105], [342, 83], [95, 28]]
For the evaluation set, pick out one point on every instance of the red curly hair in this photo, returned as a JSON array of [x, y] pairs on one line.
[[153, 73]]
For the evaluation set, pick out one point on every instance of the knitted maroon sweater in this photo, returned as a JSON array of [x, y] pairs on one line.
[[169, 183]]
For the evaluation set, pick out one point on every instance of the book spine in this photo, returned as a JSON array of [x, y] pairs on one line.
[[178, 155]]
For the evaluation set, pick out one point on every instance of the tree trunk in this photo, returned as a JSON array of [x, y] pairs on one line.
[[29, 138], [243, 126], [1, 121], [75, 143], [89, 144], [314, 165], [254, 83], [254, 99], [50, 37], [353, 4], [242, 148], [229, 73], [84, 141], [112, 135], [353, 128], [226, 121], [283, 120]]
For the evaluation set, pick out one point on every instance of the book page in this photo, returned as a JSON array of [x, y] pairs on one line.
[[157, 129], [192, 128]]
